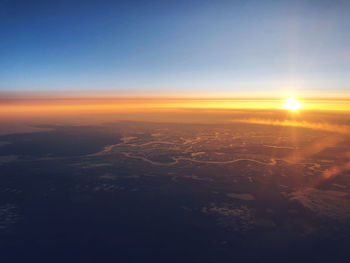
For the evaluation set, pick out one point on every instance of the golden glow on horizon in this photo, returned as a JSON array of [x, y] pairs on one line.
[[292, 104], [68, 106]]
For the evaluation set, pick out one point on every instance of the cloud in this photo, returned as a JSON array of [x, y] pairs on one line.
[[342, 129], [316, 147], [331, 204], [335, 170]]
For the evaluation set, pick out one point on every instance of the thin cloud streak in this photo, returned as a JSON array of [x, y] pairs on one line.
[[342, 129]]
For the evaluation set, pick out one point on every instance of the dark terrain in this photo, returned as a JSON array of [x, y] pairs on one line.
[[158, 192]]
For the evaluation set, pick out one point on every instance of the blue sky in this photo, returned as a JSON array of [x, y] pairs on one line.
[[174, 46]]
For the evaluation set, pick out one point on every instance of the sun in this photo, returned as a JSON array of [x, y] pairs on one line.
[[291, 104]]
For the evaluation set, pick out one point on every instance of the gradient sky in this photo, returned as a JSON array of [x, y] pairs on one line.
[[175, 47]]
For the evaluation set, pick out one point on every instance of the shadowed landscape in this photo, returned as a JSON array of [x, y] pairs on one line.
[[207, 192]]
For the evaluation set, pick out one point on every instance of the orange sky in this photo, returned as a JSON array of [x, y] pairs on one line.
[[47, 106], [17, 114]]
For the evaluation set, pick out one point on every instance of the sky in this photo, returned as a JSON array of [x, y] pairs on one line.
[[176, 48]]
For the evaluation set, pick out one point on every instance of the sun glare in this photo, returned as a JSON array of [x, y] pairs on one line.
[[291, 104]]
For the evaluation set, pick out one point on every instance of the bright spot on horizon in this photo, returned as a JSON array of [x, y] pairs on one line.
[[292, 104]]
